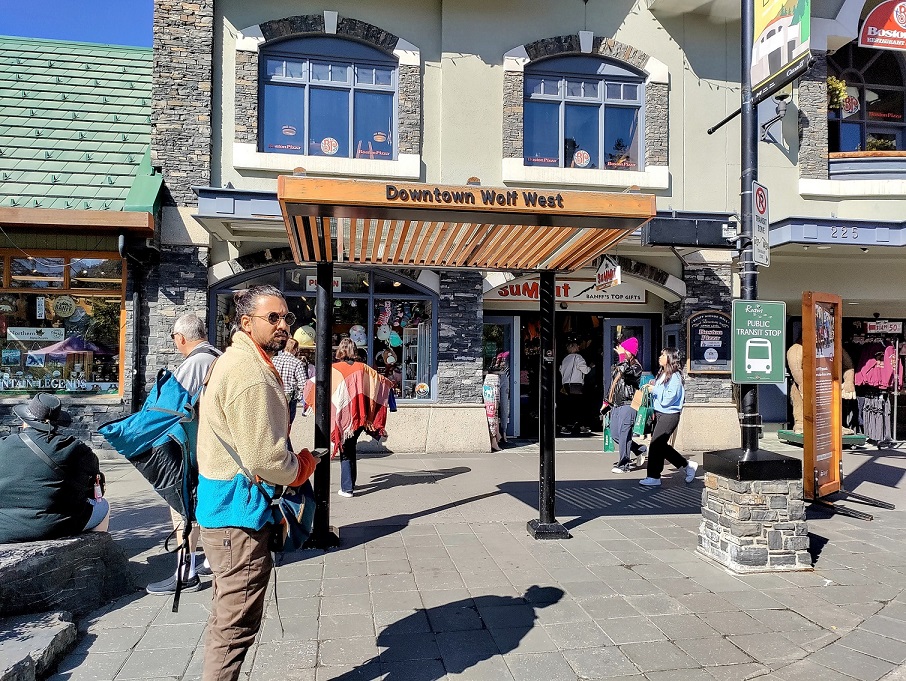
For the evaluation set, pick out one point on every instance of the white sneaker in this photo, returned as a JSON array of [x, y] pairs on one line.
[[691, 467], [619, 469], [342, 493], [650, 482]]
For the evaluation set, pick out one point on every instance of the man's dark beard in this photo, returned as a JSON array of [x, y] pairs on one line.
[[275, 345]]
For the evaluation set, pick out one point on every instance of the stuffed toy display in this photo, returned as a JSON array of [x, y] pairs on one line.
[[794, 362]]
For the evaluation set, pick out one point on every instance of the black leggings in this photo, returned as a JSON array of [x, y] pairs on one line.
[[660, 449]]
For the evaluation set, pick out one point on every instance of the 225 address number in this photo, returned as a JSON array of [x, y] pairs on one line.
[[844, 232]]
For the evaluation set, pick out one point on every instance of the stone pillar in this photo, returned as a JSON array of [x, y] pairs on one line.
[[177, 286], [813, 120], [459, 331], [183, 39], [754, 525], [710, 419]]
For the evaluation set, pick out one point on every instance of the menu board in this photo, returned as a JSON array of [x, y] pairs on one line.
[[708, 337], [823, 434]]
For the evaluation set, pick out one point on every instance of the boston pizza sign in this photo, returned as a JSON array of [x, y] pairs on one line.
[[885, 27]]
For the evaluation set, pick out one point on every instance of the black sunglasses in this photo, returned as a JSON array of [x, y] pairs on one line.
[[273, 318]]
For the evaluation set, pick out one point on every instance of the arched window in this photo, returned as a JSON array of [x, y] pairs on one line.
[[391, 318], [583, 112], [327, 96], [873, 117]]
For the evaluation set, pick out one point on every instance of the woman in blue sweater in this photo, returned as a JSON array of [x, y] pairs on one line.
[[667, 395]]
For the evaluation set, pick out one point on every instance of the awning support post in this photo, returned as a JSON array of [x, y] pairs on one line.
[[547, 527], [323, 536]]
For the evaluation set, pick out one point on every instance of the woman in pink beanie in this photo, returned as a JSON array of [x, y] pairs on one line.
[[625, 377]]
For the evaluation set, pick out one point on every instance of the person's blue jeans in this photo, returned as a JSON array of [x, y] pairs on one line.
[[622, 419], [348, 463]]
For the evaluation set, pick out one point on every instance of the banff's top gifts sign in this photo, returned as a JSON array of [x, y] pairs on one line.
[[885, 27]]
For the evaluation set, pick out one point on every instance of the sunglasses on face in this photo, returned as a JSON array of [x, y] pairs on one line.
[[273, 318]]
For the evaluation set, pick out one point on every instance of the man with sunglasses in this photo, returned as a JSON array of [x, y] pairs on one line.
[[242, 440]]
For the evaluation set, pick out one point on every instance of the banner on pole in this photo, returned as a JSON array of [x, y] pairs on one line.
[[780, 47]]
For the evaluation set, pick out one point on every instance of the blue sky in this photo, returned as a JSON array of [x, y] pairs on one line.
[[118, 22]]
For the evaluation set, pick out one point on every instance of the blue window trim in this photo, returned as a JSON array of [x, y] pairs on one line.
[[420, 293], [281, 50], [559, 68]]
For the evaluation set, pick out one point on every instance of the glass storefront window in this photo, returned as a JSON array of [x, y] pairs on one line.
[[37, 273], [96, 273], [62, 343], [398, 341], [403, 345]]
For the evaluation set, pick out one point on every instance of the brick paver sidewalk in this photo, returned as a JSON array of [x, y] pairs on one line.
[[438, 579]]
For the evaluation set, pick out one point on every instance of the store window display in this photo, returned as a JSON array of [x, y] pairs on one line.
[[387, 315], [60, 324]]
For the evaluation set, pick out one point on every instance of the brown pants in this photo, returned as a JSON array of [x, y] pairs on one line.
[[241, 564]]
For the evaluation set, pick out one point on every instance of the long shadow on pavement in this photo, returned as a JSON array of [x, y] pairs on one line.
[[449, 639], [388, 480]]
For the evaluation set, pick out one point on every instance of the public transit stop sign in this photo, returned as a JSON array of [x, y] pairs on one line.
[[759, 341]]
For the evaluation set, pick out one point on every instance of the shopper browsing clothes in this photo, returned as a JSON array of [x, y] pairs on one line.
[[624, 381], [573, 370], [667, 395]]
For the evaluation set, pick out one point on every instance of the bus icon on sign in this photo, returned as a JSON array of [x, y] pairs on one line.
[[758, 356]]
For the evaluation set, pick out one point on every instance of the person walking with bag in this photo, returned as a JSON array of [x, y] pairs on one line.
[[624, 383], [573, 370], [667, 396]]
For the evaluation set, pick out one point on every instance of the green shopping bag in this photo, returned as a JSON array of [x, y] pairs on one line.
[[608, 441], [641, 417]]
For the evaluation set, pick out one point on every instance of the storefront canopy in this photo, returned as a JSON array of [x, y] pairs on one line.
[[446, 227]]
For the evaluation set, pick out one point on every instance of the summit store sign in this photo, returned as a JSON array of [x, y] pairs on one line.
[[481, 197], [526, 290]]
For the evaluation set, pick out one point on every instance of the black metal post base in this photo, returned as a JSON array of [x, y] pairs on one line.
[[554, 530], [323, 540]]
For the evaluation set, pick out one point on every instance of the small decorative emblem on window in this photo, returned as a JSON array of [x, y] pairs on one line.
[[581, 158], [289, 130], [329, 146]]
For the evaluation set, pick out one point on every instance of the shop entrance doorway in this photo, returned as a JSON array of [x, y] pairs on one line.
[[618, 329]]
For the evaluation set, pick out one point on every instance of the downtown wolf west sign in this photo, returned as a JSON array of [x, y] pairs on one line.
[[780, 45]]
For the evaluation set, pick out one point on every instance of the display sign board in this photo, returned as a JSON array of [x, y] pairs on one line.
[[759, 347], [822, 403], [27, 333], [780, 46], [708, 342], [882, 326], [885, 27], [311, 283], [608, 274]]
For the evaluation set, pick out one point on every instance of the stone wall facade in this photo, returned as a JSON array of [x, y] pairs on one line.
[[708, 287], [409, 115], [177, 286], [459, 331], [657, 95], [183, 40], [813, 120], [754, 526]]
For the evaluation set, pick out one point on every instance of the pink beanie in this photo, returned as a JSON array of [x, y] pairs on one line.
[[631, 345]]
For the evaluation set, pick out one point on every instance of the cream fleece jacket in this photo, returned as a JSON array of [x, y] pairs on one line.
[[243, 406]]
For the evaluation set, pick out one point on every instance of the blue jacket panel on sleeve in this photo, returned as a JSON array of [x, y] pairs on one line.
[[668, 396]]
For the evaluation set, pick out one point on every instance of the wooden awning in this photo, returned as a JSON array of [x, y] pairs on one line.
[[444, 226]]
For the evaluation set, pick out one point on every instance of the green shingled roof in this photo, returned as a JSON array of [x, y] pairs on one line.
[[75, 124]]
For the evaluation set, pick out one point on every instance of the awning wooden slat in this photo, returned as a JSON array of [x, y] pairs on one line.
[[389, 241], [399, 245], [413, 241], [446, 226], [325, 233]]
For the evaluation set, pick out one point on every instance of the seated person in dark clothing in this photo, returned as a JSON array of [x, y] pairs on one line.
[[50, 484]]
